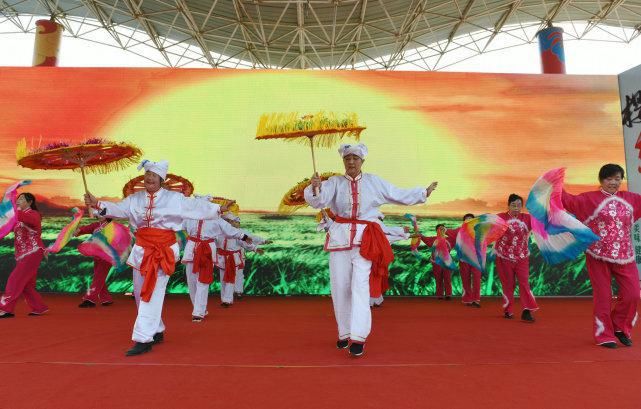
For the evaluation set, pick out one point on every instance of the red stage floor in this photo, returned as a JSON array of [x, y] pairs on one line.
[[280, 353]]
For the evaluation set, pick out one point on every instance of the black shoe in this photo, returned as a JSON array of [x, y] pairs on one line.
[[447, 298], [86, 304], [508, 315], [225, 305], [439, 298], [7, 315], [238, 296], [107, 303], [342, 343], [475, 304], [196, 319], [159, 337], [623, 339], [526, 316], [356, 349], [610, 345], [139, 348]]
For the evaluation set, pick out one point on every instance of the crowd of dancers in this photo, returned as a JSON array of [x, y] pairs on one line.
[[358, 243]]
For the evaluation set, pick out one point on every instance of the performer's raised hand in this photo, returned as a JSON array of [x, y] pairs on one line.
[[431, 188], [90, 200], [316, 181]]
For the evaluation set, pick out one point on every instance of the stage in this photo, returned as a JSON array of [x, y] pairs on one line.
[[280, 353]]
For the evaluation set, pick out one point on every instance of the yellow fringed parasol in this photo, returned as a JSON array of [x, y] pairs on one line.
[[294, 199], [172, 182], [221, 201], [94, 155], [322, 128]]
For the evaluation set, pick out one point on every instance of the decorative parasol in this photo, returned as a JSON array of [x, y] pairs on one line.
[[172, 182], [93, 155], [221, 201], [322, 128], [294, 199]]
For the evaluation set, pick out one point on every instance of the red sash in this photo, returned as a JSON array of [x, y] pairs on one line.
[[230, 265], [376, 248], [203, 260], [158, 253]]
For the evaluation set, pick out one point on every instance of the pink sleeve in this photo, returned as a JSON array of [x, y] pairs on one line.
[[635, 201], [571, 203], [429, 241], [31, 218], [88, 229], [451, 236]]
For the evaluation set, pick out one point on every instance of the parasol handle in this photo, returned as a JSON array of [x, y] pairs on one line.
[[84, 182], [311, 143]]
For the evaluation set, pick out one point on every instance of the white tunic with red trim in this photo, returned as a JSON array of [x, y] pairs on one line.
[[234, 245], [206, 230], [163, 209], [358, 198]]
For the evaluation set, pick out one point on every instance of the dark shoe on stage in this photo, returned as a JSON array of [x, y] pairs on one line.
[[610, 345], [86, 304], [139, 348], [356, 349], [623, 339], [447, 298], [6, 314], [526, 316], [342, 343], [107, 303], [475, 304], [225, 305], [439, 298], [159, 337], [196, 319], [508, 316], [238, 296]]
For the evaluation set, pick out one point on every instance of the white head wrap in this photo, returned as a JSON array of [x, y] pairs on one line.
[[159, 168], [359, 150]]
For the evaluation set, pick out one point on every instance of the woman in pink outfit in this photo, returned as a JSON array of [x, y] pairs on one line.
[[29, 252]]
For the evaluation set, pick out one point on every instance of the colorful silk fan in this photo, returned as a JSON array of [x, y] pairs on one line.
[[8, 208], [416, 241], [181, 239], [559, 235], [475, 235], [112, 244], [67, 232], [442, 256]]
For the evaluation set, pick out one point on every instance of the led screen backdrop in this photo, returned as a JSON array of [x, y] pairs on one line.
[[482, 136]]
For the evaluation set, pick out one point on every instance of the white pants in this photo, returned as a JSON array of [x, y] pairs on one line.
[[349, 280], [149, 319], [240, 281], [376, 301], [198, 292], [226, 289]]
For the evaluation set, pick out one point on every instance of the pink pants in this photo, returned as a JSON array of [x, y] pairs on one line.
[[508, 271], [443, 278], [98, 291], [623, 316], [471, 280], [22, 282]]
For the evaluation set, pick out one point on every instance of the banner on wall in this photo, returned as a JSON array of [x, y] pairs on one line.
[[630, 94]]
